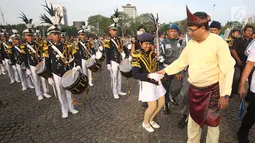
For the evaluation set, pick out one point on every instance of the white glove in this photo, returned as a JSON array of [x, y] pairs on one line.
[[51, 81], [130, 58], [14, 67], [93, 56], [109, 67], [101, 48], [28, 72], [78, 68], [156, 77], [161, 59]]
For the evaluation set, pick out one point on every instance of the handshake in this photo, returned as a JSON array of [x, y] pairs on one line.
[[155, 76]]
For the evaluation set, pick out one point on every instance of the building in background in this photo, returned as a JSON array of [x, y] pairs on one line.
[[61, 10], [78, 24], [251, 19], [130, 10]]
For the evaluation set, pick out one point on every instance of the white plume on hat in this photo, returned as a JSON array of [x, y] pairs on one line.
[[28, 23], [55, 19]]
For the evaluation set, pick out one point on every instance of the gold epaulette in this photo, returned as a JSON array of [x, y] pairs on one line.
[[45, 51], [9, 49], [9, 46], [136, 59], [107, 44], [136, 54], [22, 49]]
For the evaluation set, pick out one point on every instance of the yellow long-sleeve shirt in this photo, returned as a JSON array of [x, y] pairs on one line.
[[209, 62]]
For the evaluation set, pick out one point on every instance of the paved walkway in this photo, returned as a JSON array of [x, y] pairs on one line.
[[24, 119]]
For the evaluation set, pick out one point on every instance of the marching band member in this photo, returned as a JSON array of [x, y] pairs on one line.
[[2, 67], [85, 50], [33, 57], [145, 65], [56, 55], [18, 58], [114, 47], [5, 51]]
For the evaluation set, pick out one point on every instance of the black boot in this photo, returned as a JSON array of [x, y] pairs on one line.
[[242, 138], [183, 121], [166, 109]]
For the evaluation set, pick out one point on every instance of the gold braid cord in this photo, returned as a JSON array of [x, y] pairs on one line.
[[128, 88], [82, 100]]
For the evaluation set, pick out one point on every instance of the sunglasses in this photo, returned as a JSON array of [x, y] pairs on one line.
[[193, 30]]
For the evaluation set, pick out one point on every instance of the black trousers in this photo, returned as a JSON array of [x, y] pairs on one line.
[[166, 82], [249, 117]]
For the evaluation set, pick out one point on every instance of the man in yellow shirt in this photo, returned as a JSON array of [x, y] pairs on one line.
[[211, 70]]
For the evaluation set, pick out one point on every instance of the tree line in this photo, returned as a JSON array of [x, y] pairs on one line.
[[98, 24]]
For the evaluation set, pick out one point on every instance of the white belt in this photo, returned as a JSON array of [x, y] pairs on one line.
[[165, 65]]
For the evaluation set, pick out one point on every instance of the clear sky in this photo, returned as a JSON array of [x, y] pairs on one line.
[[168, 10]]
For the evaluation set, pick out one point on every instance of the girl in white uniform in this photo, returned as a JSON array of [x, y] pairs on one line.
[[145, 65]]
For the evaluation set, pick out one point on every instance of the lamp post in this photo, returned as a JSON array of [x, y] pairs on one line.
[[213, 10]]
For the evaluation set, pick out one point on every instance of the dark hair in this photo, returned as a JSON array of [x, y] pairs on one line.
[[141, 27], [248, 26], [201, 15]]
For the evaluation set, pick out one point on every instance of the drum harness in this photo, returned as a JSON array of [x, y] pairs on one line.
[[85, 48]]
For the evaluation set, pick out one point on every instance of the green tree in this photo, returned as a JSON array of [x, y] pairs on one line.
[[98, 23]]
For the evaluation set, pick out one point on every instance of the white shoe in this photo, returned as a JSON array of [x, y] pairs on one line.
[[46, 95], [122, 93], [24, 88], [40, 98], [116, 96], [74, 111], [11, 82], [91, 84], [3, 73], [64, 115], [154, 125], [148, 128], [17, 81], [31, 87]]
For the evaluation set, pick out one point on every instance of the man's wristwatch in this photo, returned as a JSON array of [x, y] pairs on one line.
[[226, 96]]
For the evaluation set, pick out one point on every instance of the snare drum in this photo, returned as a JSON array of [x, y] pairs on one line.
[[40, 69], [126, 68], [76, 84], [100, 56], [93, 64]]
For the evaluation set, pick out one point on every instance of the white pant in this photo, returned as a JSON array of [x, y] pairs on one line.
[[37, 82], [115, 78], [2, 67], [194, 133], [22, 76], [45, 86], [64, 96], [11, 72], [86, 71]]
